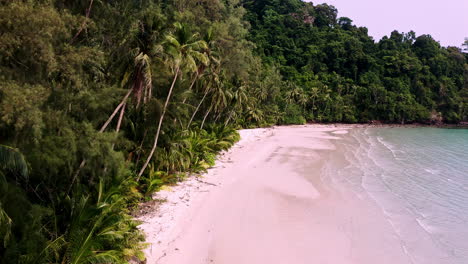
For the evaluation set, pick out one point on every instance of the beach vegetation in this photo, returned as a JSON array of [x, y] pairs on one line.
[[102, 103]]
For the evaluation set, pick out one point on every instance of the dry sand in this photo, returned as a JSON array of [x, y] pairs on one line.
[[264, 202]]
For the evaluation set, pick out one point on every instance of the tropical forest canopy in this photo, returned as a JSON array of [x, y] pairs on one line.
[[102, 102]]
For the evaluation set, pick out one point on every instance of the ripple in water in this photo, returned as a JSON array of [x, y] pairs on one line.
[[419, 178]]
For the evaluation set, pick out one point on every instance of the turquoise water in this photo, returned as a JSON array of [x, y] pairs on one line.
[[419, 179]]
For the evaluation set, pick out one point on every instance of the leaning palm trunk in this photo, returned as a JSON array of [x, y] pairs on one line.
[[159, 125], [119, 123], [218, 117], [198, 108], [191, 86], [83, 162], [228, 119], [124, 100], [117, 129], [185, 99], [206, 115]]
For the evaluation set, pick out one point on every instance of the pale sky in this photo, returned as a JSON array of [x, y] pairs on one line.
[[446, 21]]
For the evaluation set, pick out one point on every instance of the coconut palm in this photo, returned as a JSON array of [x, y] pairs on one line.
[[207, 50], [209, 40], [183, 51], [137, 66], [219, 100], [138, 79], [239, 98], [138, 74], [314, 93], [202, 64], [212, 78], [207, 90]]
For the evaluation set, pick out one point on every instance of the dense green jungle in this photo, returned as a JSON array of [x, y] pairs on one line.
[[102, 102]]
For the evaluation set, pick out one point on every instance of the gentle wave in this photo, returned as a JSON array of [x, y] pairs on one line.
[[418, 177]]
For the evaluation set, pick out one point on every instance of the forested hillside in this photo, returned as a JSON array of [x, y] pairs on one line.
[[102, 102], [337, 73]]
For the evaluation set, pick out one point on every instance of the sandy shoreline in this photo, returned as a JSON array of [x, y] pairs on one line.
[[265, 201], [164, 219], [165, 225]]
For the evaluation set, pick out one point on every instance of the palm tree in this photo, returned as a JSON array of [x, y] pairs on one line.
[[326, 98], [219, 100], [254, 113], [239, 98], [139, 81], [261, 92], [314, 93], [295, 94], [208, 38], [138, 75], [207, 90], [183, 50], [202, 65], [212, 78]]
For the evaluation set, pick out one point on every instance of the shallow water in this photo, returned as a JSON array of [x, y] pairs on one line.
[[418, 177]]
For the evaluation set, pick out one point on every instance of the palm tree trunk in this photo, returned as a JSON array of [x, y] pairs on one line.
[[198, 107], [185, 99], [206, 115], [218, 116], [227, 120], [159, 125], [191, 86], [124, 100], [117, 129]]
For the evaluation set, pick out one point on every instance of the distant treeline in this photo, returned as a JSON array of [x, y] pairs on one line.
[[102, 102], [337, 73]]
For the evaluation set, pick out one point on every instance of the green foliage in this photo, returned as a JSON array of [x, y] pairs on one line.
[[293, 115], [99, 232], [13, 162], [336, 73], [192, 151], [92, 92]]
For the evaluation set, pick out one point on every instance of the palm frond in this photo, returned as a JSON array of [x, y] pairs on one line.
[[190, 64], [201, 57], [171, 40], [13, 161]]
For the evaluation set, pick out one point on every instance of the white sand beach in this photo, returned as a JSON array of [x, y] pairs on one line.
[[265, 202]]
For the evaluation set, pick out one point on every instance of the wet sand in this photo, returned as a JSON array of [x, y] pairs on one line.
[[265, 202]]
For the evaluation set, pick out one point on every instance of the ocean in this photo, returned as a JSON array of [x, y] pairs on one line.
[[418, 177]]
